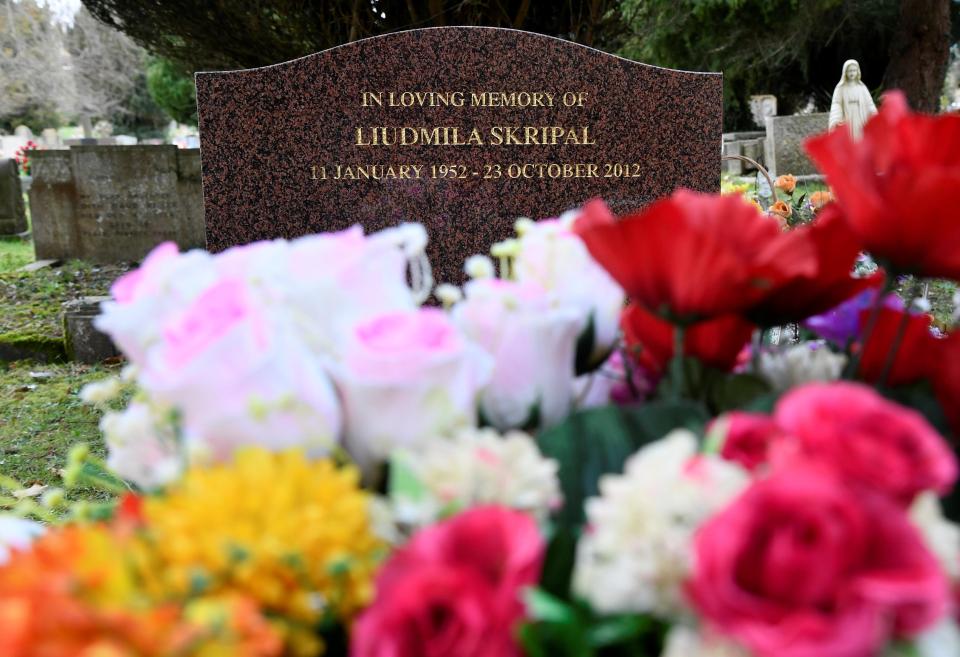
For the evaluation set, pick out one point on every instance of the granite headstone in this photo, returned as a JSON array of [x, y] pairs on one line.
[[13, 218], [463, 129]]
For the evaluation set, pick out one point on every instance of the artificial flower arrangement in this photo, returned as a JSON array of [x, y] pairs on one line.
[[23, 157], [589, 449]]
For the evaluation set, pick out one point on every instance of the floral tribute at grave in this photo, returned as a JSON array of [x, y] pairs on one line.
[[591, 448], [23, 157]]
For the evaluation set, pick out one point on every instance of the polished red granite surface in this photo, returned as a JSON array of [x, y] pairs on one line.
[[463, 129]]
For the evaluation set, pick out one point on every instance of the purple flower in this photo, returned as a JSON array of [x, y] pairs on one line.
[[842, 324]]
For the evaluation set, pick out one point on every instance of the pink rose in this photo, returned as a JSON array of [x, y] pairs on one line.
[[145, 298], [241, 376], [870, 440], [454, 589], [748, 438], [143, 281], [405, 377], [803, 565]]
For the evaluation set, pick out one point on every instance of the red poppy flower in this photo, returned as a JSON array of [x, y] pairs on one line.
[[716, 342], [899, 186], [916, 356], [836, 247], [946, 380], [693, 256]]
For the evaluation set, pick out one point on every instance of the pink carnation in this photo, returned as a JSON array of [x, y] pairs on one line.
[[871, 441], [748, 438], [454, 589], [803, 565]]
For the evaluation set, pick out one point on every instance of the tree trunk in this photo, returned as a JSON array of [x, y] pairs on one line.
[[919, 52]]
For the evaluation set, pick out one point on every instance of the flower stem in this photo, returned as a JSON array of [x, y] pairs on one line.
[[889, 285], [676, 365], [757, 348], [901, 332]]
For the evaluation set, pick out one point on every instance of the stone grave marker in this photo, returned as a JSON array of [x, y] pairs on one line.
[[115, 203], [463, 129], [13, 218], [784, 144]]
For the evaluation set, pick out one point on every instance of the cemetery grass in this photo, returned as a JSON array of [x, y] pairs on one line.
[[31, 303], [42, 417], [14, 253]]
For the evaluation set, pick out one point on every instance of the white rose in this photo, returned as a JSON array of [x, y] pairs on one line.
[[555, 258], [533, 344], [145, 298]]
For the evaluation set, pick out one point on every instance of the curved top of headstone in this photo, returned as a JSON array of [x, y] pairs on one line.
[[494, 31], [296, 147]]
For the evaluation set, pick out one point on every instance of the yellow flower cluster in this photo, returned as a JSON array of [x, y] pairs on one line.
[[292, 534]]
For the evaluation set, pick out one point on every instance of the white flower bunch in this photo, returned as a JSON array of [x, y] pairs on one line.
[[799, 364], [636, 549], [474, 467]]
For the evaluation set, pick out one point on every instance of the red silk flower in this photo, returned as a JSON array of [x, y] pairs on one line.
[[694, 256], [916, 357], [899, 186], [716, 342], [803, 295], [946, 380]]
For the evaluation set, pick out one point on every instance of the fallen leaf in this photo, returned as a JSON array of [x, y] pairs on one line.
[[33, 491]]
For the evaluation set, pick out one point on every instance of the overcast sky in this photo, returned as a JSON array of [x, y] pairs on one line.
[[63, 10]]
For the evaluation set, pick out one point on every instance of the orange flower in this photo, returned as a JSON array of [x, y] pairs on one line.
[[787, 183], [781, 209], [69, 594], [820, 199]]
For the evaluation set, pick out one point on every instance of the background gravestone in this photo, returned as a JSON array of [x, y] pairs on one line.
[[115, 203], [13, 218], [298, 147], [784, 144]]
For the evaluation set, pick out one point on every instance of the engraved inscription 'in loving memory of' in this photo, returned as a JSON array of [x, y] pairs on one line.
[[393, 136]]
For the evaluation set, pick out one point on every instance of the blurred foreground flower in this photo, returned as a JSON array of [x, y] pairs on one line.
[[472, 468], [635, 553], [861, 570], [455, 589], [533, 342], [75, 593], [420, 373], [692, 257], [898, 186], [293, 535]]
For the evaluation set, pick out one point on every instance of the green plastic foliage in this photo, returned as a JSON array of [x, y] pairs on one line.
[[597, 441]]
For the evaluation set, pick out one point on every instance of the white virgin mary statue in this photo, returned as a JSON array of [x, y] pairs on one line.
[[852, 104]]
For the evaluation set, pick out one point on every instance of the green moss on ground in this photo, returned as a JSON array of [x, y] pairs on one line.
[[16, 345], [31, 303], [41, 417]]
